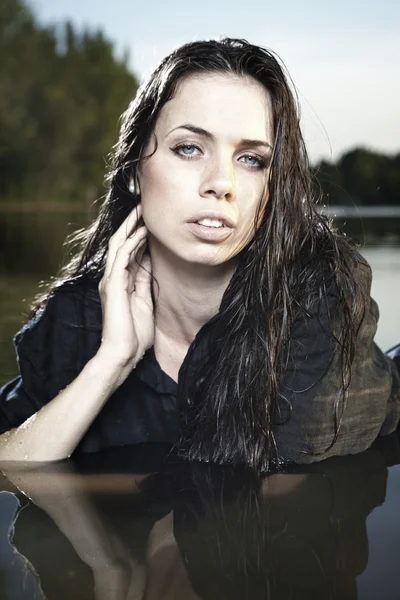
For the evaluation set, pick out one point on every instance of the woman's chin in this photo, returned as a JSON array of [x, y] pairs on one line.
[[211, 257], [197, 254]]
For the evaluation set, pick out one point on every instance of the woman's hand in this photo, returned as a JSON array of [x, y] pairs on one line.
[[125, 293]]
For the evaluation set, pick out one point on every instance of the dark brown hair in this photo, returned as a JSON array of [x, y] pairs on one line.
[[293, 259]]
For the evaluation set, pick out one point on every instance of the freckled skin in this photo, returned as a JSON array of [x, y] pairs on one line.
[[221, 174]]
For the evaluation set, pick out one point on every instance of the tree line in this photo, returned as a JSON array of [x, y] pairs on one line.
[[360, 177], [62, 92]]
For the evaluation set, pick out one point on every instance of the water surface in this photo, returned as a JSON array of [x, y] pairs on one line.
[[128, 524]]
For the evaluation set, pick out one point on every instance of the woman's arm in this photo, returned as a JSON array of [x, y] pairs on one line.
[[56, 429], [313, 386]]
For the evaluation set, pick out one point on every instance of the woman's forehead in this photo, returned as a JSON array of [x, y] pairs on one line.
[[219, 101]]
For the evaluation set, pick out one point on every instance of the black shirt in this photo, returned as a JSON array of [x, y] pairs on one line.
[[53, 348]]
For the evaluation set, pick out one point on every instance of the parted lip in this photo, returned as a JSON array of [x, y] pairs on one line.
[[213, 214]]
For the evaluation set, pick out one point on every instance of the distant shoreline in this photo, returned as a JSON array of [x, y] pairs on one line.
[[50, 207], [362, 212]]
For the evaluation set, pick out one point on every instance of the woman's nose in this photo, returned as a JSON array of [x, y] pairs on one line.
[[219, 179]]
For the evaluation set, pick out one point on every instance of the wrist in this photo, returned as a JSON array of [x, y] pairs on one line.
[[110, 368], [112, 358]]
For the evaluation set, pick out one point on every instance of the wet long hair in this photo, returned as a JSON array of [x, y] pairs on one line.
[[294, 257]]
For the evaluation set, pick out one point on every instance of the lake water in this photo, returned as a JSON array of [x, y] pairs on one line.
[[385, 263], [126, 525]]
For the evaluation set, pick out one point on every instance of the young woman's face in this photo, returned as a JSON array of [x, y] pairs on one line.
[[214, 147]]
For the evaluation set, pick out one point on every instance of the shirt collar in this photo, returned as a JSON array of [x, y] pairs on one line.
[[149, 371]]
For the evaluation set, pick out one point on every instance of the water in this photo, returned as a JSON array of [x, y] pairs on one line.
[[385, 264], [123, 524]]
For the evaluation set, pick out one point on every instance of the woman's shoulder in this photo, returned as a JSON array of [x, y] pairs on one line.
[[54, 345], [73, 303], [72, 293], [335, 269], [52, 348], [68, 321]]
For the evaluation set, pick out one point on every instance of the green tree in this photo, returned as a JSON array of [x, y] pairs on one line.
[[360, 177], [61, 95]]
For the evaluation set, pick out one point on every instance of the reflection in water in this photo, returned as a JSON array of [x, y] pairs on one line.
[[18, 578], [297, 535], [197, 531]]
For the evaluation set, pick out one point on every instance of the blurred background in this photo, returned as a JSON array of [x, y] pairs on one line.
[[68, 69]]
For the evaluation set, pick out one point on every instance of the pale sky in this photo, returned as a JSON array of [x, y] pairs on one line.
[[342, 55]]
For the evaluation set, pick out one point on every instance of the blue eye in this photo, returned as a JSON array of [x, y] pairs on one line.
[[258, 161], [185, 150], [190, 151]]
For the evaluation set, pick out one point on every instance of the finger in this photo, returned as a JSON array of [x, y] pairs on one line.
[[127, 228], [135, 263], [129, 225], [128, 246], [122, 259], [143, 276], [123, 255]]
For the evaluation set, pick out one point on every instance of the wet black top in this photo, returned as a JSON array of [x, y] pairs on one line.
[[53, 348]]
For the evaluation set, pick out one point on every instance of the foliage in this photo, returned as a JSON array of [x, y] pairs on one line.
[[61, 95], [360, 177]]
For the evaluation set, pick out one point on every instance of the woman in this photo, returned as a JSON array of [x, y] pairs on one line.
[[209, 305]]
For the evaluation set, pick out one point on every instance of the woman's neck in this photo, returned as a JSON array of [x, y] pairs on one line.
[[188, 295]]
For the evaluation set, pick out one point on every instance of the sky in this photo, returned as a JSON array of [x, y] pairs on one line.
[[343, 56]]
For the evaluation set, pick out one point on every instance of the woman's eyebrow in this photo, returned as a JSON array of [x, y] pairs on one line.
[[208, 135]]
